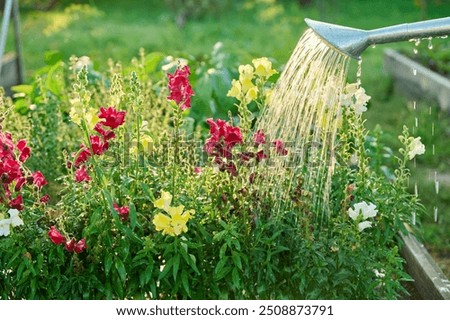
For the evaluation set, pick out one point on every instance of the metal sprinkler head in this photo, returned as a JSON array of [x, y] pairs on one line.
[[353, 42]]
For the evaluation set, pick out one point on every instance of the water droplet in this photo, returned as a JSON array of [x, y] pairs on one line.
[[417, 122], [430, 45], [435, 214], [359, 71], [436, 186], [417, 42], [373, 45], [414, 104], [413, 218], [432, 129], [429, 110], [433, 149], [444, 37], [415, 51], [416, 190], [414, 71]]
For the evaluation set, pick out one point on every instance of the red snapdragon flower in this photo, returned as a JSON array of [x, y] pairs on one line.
[[25, 151], [39, 179], [197, 170], [44, 199], [55, 236], [106, 134], [6, 144], [98, 145], [70, 245], [113, 118], [223, 138], [122, 211], [259, 138], [80, 246], [260, 155], [10, 170], [81, 175], [279, 147], [17, 203], [83, 156], [180, 88], [19, 183]]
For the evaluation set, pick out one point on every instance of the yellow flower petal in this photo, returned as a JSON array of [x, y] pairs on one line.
[[246, 84], [164, 201], [236, 89], [175, 211], [263, 67], [245, 72], [161, 221]]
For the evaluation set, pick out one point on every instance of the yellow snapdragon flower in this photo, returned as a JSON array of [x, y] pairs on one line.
[[90, 116], [263, 67], [175, 223]]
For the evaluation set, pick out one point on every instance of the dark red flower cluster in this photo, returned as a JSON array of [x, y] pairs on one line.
[[224, 137], [70, 245], [123, 212], [98, 143], [180, 88], [221, 142], [12, 171]]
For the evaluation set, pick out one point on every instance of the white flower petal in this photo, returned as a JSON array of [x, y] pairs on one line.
[[363, 225], [416, 148], [4, 227]]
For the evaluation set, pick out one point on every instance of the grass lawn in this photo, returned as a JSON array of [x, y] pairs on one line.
[[117, 29]]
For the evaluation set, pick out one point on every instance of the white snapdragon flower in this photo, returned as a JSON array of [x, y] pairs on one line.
[[13, 221], [416, 148], [355, 97], [4, 227], [14, 217], [361, 101], [379, 274], [366, 211]]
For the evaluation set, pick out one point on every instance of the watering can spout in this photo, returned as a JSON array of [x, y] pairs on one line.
[[353, 42]]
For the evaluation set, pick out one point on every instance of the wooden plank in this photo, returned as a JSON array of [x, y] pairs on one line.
[[429, 279], [416, 81]]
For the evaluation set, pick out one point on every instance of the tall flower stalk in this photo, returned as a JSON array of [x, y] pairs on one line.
[[180, 92]]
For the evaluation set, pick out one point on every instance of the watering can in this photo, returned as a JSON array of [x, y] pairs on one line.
[[353, 42]]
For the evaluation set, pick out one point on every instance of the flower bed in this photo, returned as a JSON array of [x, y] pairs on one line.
[[152, 204]]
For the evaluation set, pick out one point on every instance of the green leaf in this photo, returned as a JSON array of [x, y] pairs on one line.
[[222, 269], [223, 251], [236, 259], [185, 282], [176, 266], [152, 61], [55, 79], [108, 263], [144, 277], [235, 278], [133, 216], [120, 267], [190, 260], [23, 88], [166, 269], [52, 57]]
